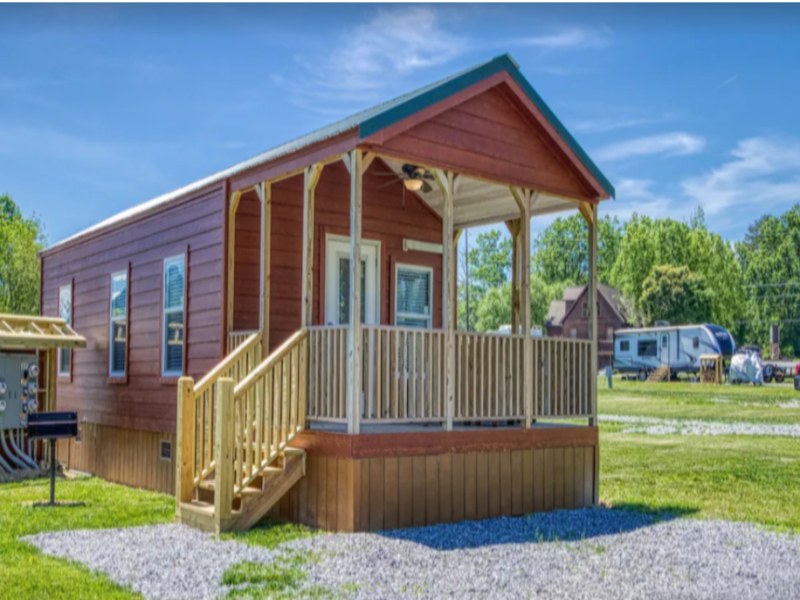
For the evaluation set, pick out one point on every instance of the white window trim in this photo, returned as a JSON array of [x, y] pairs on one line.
[[112, 319], [373, 288], [68, 288], [166, 311], [418, 268]]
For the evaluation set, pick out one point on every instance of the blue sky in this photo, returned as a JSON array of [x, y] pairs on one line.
[[103, 107]]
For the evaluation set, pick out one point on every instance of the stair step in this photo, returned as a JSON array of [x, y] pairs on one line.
[[292, 451]]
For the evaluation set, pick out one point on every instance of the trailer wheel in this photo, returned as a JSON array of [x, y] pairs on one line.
[[769, 371], [642, 375], [779, 375]]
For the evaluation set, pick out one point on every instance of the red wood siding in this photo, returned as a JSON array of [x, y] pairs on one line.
[[390, 214], [147, 401], [491, 136]]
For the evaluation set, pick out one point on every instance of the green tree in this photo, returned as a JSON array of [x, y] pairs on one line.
[[648, 243], [485, 266], [20, 240], [676, 295], [494, 308], [770, 260], [561, 251]]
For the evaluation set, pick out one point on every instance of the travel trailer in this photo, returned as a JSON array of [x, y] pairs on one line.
[[679, 348]]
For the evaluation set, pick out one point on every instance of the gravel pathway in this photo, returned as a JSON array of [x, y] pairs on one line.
[[580, 554], [659, 426]]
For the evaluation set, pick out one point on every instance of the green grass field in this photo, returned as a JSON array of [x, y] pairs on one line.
[[751, 478], [26, 573]]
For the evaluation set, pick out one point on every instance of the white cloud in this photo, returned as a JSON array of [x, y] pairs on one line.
[[602, 124], [637, 196], [394, 44], [667, 144], [570, 38], [762, 173]]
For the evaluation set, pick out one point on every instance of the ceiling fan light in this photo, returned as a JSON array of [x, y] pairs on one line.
[[413, 184]]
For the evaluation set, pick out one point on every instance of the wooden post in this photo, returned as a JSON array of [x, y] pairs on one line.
[[311, 176], [525, 199], [232, 208], [354, 341], [446, 182], [514, 229], [223, 453], [185, 443], [264, 191], [590, 214]]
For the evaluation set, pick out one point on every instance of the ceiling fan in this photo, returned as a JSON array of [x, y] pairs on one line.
[[414, 178]]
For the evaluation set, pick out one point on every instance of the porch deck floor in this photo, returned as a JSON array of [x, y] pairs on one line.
[[367, 428]]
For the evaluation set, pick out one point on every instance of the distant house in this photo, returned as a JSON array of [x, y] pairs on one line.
[[569, 317]]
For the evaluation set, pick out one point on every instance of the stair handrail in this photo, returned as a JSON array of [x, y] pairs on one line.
[[219, 369], [269, 410]]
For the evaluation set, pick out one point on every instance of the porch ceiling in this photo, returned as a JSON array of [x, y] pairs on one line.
[[480, 202]]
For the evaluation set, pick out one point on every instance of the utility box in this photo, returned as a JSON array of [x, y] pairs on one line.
[[19, 387]]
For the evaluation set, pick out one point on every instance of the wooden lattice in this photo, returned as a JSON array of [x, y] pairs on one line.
[[30, 332]]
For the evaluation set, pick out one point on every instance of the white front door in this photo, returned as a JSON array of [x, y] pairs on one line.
[[337, 280]]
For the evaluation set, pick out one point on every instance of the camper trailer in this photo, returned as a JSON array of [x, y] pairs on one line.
[[644, 350]]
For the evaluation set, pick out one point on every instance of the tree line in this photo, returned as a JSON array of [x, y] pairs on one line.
[[666, 270]]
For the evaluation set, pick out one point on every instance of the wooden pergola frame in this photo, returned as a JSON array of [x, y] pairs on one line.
[[43, 335]]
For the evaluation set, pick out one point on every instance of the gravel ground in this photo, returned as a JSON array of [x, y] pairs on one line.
[[589, 553], [658, 426], [159, 561]]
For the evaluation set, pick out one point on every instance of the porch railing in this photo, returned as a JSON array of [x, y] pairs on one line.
[[403, 376], [562, 373], [237, 338]]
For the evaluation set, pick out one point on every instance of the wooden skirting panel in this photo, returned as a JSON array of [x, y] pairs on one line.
[[348, 493], [125, 456]]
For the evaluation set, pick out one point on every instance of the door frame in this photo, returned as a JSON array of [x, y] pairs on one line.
[[372, 291]]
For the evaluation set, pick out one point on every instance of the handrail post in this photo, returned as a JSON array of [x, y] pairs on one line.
[[223, 453], [185, 443]]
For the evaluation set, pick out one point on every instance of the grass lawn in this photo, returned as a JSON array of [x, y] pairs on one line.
[[752, 478], [26, 573]]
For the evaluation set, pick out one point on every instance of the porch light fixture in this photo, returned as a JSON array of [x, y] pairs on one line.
[[413, 184]]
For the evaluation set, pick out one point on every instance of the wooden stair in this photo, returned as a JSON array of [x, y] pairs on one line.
[[662, 373], [249, 505], [235, 431]]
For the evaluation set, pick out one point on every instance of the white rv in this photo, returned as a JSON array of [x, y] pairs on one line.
[[678, 347]]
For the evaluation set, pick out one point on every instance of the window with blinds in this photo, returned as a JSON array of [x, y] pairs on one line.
[[65, 312], [413, 296], [118, 329], [174, 299]]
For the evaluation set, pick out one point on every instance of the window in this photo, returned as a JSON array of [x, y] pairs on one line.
[[118, 328], [65, 312], [664, 341], [166, 450], [648, 348], [695, 342], [174, 292], [413, 296], [624, 346]]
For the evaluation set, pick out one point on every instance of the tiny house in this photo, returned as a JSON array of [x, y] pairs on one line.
[[678, 348], [280, 337]]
